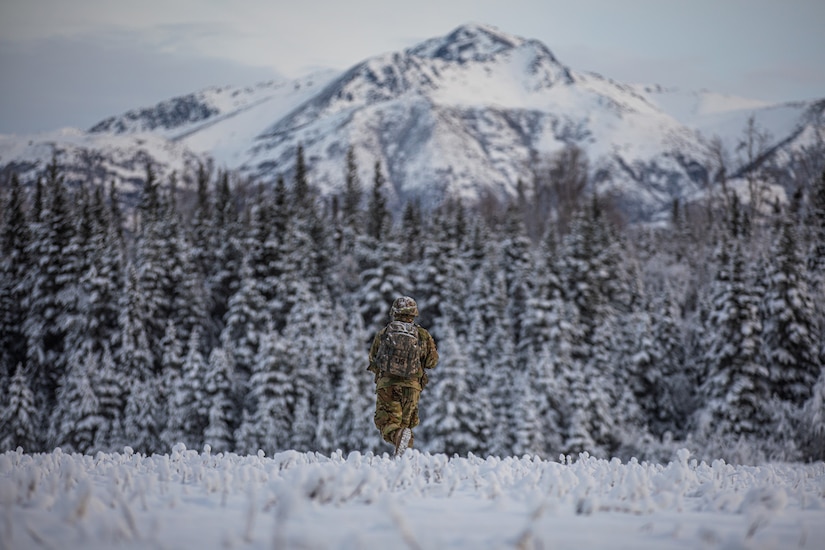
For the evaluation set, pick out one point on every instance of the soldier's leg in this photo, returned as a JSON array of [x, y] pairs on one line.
[[388, 412], [409, 409]]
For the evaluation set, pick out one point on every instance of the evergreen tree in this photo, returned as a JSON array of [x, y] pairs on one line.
[[385, 279], [591, 270], [529, 429], [20, 417], [353, 411], [442, 276], [302, 198], [412, 232], [202, 231], [670, 381], [816, 228], [379, 218], [189, 410], [736, 387], [267, 418], [813, 422], [353, 196], [245, 320], [480, 328], [790, 333], [77, 418], [500, 375], [517, 265], [313, 334], [451, 420], [145, 416], [14, 264], [228, 249], [110, 388], [44, 326], [134, 353], [605, 397], [219, 394]]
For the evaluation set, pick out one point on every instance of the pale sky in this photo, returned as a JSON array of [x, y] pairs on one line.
[[75, 62]]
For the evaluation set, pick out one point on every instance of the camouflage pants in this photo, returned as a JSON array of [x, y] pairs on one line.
[[396, 407]]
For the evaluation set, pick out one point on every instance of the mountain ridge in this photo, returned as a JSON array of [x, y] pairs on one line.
[[464, 114]]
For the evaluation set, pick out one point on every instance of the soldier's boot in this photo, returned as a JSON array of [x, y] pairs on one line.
[[402, 440]]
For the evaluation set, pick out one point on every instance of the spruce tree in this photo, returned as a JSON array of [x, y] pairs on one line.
[[245, 320], [267, 417], [15, 239], [670, 380], [353, 196], [500, 374], [736, 386], [189, 410], [451, 419], [112, 388], [145, 416], [19, 417], [379, 218], [77, 418], [812, 427], [219, 395], [355, 394], [790, 332], [44, 326], [133, 351]]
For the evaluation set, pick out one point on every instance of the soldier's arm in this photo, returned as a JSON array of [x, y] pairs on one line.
[[373, 351], [430, 359]]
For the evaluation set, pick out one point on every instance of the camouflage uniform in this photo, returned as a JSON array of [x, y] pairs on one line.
[[396, 404]]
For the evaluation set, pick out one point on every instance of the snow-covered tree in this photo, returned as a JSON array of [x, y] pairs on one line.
[[77, 418], [189, 407], [267, 416], [219, 395], [790, 334], [19, 417], [15, 236], [354, 397], [451, 420], [736, 385], [44, 326]]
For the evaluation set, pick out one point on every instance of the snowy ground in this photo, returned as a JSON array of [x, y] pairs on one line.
[[303, 500]]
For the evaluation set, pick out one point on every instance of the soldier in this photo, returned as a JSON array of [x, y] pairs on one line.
[[401, 353]]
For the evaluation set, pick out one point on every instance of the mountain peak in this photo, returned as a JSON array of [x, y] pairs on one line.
[[470, 42]]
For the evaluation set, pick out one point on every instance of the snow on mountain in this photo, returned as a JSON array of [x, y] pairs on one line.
[[99, 158], [466, 113], [219, 121]]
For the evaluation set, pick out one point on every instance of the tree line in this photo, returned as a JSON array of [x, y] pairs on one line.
[[239, 315]]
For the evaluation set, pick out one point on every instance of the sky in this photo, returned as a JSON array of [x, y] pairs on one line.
[[75, 63]]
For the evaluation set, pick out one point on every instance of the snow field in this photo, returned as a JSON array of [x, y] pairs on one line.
[[188, 499]]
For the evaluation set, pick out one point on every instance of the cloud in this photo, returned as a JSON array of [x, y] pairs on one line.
[[78, 81]]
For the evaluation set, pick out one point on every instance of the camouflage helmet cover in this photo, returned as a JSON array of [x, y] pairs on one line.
[[404, 307]]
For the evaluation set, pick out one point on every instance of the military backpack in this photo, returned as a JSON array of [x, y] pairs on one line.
[[398, 351]]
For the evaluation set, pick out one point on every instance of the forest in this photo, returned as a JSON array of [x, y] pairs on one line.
[[239, 314]]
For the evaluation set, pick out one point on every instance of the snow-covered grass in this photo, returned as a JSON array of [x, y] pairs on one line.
[[188, 499]]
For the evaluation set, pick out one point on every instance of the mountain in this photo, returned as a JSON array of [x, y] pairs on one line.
[[468, 114]]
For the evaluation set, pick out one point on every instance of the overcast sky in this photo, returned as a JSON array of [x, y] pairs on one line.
[[74, 62]]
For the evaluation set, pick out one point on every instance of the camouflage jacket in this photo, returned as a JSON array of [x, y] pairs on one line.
[[429, 359]]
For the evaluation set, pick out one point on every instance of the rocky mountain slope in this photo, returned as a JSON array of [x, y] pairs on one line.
[[469, 113]]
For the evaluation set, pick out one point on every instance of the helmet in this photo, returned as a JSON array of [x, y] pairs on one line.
[[404, 307]]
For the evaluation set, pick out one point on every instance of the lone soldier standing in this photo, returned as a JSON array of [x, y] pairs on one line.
[[400, 354]]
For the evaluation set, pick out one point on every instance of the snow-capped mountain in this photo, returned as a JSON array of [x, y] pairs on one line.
[[467, 113]]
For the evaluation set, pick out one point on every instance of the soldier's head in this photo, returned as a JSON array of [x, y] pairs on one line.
[[404, 309]]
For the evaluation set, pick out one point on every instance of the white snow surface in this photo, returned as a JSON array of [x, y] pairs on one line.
[[190, 499]]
